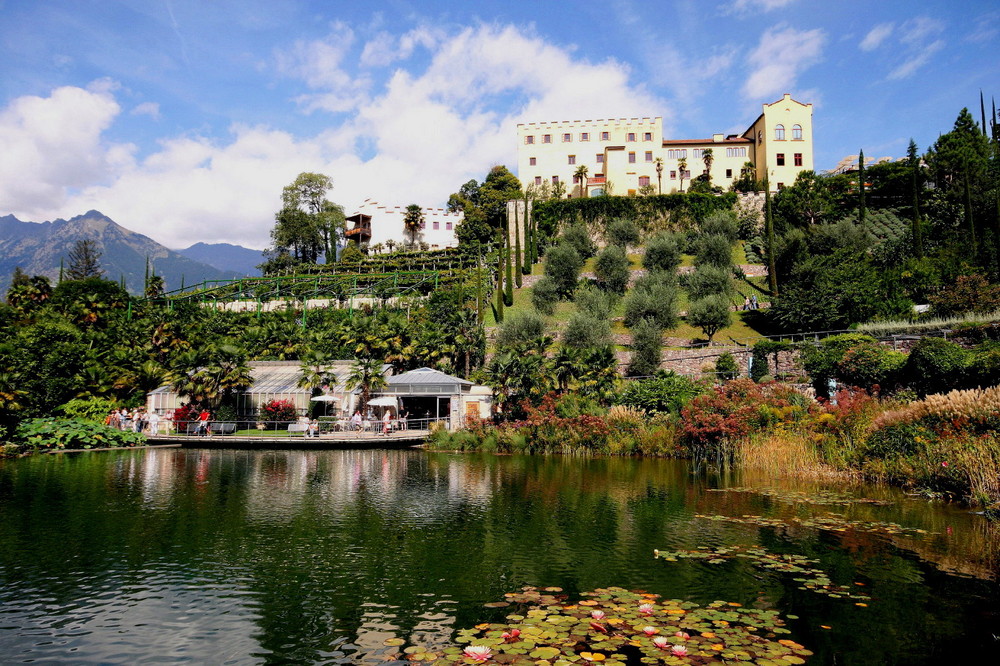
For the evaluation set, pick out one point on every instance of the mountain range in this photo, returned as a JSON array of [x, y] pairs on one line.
[[39, 247]]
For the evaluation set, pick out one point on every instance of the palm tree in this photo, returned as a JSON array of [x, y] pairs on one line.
[[708, 157], [581, 175], [316, 371], [659, 175], [682, 165], [412, 221], [367, 376]]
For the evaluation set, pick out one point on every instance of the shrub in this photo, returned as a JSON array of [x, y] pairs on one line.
[[984, 365], [521, 327], [562, 265], [726, 367], [623, 232], [711, 314], [714, 250], [708, 280], [594, 302], [870, 364], [660, 395], [585, 331], [51, 433], [278, 410], [88, 409], [545, 295], [657, 303], [612, 270], [578, 237], [970, 293], [663, 253], [820, 361], [935, 365], [647, 347], [722, 223]]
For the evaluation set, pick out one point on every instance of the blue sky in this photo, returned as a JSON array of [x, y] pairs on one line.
[[183, 119]]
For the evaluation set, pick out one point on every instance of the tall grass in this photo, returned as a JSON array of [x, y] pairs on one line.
[[884, 328]]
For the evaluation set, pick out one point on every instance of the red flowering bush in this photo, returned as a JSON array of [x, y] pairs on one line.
[[278, 410], [184, 416]]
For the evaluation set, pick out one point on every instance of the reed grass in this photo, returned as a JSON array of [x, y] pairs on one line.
[[902, 326]]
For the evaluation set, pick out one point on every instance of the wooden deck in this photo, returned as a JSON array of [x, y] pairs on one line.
[[334, 440]]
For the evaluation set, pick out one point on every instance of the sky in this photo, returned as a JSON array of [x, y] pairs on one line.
[[184, 119]]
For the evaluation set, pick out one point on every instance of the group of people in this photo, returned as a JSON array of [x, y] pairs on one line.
[[136, 420], [751, 303], [385, 425]]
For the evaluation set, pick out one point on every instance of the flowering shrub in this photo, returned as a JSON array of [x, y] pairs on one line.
[[184, 416], [278, 410]]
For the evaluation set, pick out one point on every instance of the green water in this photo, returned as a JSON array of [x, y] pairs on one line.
[[215, 556]]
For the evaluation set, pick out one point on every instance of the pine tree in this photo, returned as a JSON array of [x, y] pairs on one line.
[[772, 270], [917, 233], [84, 261]]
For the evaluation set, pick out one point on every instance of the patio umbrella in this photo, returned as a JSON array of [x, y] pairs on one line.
[[325, 398], [384, 401]]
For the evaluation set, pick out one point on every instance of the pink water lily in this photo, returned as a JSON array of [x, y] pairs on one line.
[[661, 642], [510, 635], [478, 652], [683, 634], [598, 614], [650, 631], [679, 651], [647, 609]]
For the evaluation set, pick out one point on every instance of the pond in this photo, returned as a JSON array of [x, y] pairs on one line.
[[223, 556]]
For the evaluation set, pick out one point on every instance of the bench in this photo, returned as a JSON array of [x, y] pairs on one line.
[[223, 428], [298, 427]]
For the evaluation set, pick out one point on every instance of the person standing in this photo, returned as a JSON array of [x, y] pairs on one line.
[[203, 417], [386, 423]]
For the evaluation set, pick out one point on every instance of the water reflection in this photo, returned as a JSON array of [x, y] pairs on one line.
[[320, 556]]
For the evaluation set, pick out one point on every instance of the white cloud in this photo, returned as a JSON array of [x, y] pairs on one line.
[[916, 61], [782, 54], [876, 36], [425, 132], [917, 31], [151, 109], [385, 49], [748, 6], [319, 63], [918, 43]]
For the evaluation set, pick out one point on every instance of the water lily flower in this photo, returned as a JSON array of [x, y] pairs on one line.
[[478, 652], [649, 631], [944, 464], [510, 635], [679, 651], [597, 614], [682, 634], [661, 642], [647, 609]]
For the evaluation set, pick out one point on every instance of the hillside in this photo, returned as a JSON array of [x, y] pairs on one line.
[[38, 248], [226, 257]]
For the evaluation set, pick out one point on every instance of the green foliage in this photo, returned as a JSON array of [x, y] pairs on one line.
[[708, 280], [88, 409], [577, 236], [50, 433], [710, 314], [351, 254], [584, 331], [623, 233], [970, 293], [660, 395], [935, 365], [545, 295], [520, 328], [726, 367], [821, 361], [84, 261], [595, 210], [652, 299], [869, 364], [647, 346], [714, 250], [594, 302], [663, 253], [484, 206], [612, 269], [562, 266], [722, 223]]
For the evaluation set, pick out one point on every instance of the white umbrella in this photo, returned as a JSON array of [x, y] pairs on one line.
[[325, 398], [384, 401]]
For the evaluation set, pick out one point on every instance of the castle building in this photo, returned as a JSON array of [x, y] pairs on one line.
[[375, 223], [621, 155]]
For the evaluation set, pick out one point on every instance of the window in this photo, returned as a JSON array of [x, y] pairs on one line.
[[530, 139], [696, 153], [585, 136], [779, 132], [567, 138], [631, 136], [673, 175], [729, 173], [687, 174], [677, 154], [531, 161], [600, 158], [546, 138], [631, 158], [572, 159], [647, 136], [643, 181], [736, 152], [437, 225], [423, 224], [649, 155], [538, 180], [797, 132], [555, 180], [798, 159], [447, 226], [605, 136], [781, 159]]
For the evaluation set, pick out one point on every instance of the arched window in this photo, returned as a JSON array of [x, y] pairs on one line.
[[796, 131], [779, 132]]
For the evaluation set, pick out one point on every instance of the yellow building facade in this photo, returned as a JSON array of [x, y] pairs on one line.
[[620, 156]]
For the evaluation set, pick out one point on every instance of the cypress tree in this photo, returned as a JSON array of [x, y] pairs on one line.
[[60, 270], [499, 307], [982, 113], [518, 268], [772, 270], [479, 288], [508, 294], [526, 268], [917, 233], [967, 206], [861, 190]]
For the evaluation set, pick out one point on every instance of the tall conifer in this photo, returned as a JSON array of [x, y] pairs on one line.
[[518, 268], [508, 294], [917, 232], [970, 223], [499, 306], [772, 270], [861, 190]]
